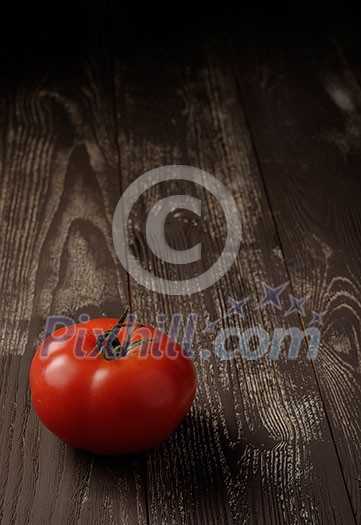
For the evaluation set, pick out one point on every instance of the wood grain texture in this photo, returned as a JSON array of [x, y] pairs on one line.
[[256, 447], [278, 122], [58, 187], [304, 110]]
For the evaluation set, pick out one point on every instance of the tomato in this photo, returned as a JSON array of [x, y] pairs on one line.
[[111, 387]]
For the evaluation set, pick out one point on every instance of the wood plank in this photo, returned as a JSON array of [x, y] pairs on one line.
[[58, 188], [256, 447], [303, 105]]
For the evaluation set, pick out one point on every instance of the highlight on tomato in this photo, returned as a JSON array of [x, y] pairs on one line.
[[111, 386]]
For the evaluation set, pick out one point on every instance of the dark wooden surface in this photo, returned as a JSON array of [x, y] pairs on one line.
[[274, 112]]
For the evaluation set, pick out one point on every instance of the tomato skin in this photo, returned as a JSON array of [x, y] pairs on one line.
[[116, 406]]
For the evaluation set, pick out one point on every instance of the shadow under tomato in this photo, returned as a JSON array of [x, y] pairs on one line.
[[194, 466], [194, 469]]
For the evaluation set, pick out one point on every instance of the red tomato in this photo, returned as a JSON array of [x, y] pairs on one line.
[[111, 391]]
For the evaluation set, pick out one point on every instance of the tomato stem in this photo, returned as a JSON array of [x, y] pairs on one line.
[[108, 342]]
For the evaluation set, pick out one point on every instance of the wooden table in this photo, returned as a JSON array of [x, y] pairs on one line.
[[276, 117]]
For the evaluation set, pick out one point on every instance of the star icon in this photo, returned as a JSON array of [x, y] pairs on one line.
[[236, 307], [211, 327], [272, 295], [317, 317], [297, 305]]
